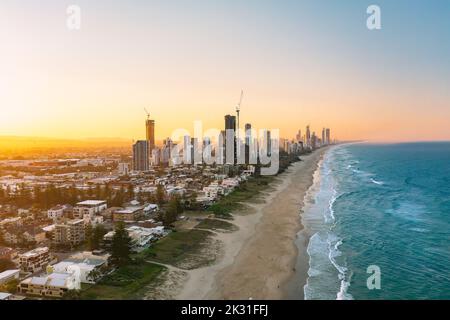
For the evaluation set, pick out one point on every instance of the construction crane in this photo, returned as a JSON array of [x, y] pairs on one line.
[[148, 113], [238, 109]]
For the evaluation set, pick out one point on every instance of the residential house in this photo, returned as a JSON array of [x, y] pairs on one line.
[[24, 234]]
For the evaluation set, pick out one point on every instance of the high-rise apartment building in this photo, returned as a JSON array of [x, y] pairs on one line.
[[150, 134], [324, 139], [298, 137], [140, 156], [308, 137], [230, 139]]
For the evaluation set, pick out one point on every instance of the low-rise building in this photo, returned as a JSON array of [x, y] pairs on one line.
[[53, 285], [5, 296], [140, 237], [128, 214], [24, 234], [58, 211], [150, 208], [9, 275], [71, 232], [10, 222], [86, 262], [35, 260], [90, 207]]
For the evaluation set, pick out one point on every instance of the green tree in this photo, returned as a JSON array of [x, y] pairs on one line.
[[72, 295], [88, 234], [106, 192], [119, 198], [174, 208], [120, 246], [73, 194], [2, 239], [6, 264], [130, 192], [160, 194], [10, 286], [94, 236], [90, 193], [98, 192]]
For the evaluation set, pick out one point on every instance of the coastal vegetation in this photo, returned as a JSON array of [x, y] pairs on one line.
[[215, 224], [120, 246], [180, 247], [246, 191], [125, 283]]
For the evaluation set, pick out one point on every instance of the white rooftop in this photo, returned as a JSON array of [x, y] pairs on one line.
[[54, 279], [4, 295], [8, 273], [49, 228], [129, 210], [35, 252], [91, 203]]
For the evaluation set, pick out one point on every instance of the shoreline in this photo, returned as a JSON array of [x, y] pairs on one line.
[[260, 258]]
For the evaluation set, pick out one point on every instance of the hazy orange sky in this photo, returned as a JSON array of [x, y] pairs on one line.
[[299, 63]]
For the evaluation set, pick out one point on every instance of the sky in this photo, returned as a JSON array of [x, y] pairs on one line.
[[299, 62]]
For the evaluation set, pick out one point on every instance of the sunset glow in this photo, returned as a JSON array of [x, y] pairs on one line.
[[312, 64]]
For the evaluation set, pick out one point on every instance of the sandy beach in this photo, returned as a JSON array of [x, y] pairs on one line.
[[259, 258]]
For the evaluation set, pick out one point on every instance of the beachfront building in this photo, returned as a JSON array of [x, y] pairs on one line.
[[35, 260], [5, 296], [140, 237], [53, 285], [9, 275], [86, 262]]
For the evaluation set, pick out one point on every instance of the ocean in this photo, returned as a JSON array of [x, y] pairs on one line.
[[383, 207]]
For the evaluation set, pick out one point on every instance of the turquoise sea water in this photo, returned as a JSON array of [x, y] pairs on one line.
[[382, 205]]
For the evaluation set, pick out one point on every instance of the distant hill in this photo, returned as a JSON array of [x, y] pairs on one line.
[[14, 145]]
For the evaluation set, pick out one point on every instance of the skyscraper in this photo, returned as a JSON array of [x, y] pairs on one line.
[[187, 154], [248, 133], [308, 137], [140, 156], [230, 139], [248, 139], [150, 134], [266, 143], [166, 152], [313, 141], [324, 140], [230, 122], [328, 137], [298, 137]]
